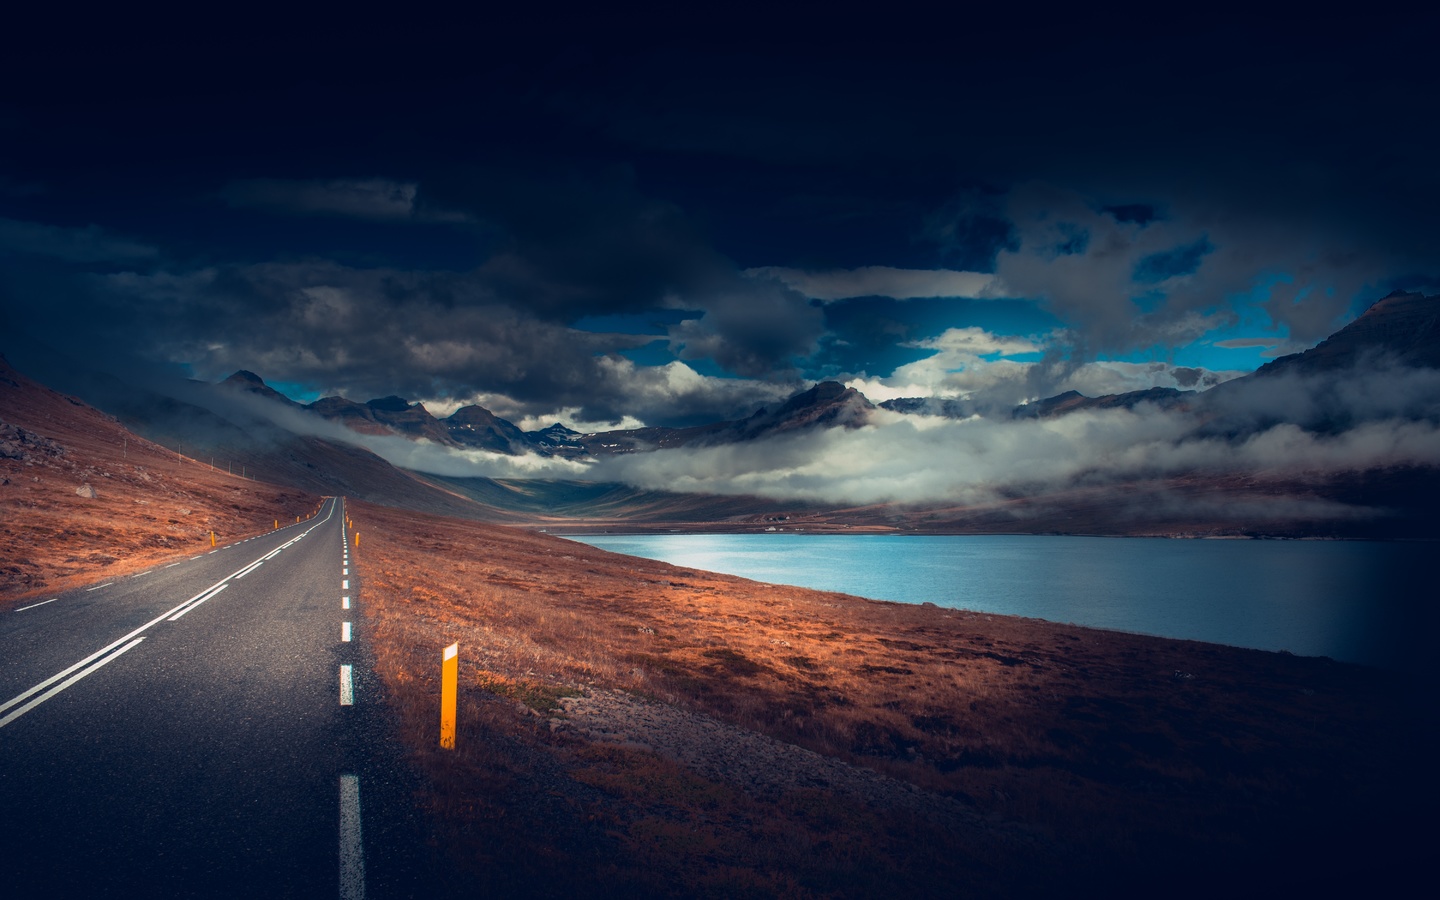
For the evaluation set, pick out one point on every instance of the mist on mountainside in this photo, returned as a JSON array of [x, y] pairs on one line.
[[1340, 433]]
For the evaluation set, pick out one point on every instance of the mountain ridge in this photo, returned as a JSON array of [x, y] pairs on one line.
[[1372, 500]]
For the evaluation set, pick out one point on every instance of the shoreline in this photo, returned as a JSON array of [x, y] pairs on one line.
[[1258, 606], [1005, 753]]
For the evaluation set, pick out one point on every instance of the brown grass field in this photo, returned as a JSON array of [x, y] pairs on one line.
[[629, 728], [1019, 756]]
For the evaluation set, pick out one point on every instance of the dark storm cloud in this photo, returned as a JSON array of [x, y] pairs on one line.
[[575, 245], [752, 327], [90, 244], [1141, 182], [1167, 264], [369, 332], [971, 228], [564, 246], [10, 187], [380, 199], [572, 243]]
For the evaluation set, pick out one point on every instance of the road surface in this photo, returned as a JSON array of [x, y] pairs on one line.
[[208, 728]]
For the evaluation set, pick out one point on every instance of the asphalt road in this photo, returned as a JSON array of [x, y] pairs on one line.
[[188, 732]]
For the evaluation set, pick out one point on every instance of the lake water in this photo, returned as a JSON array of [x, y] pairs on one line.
[[1351, 600]]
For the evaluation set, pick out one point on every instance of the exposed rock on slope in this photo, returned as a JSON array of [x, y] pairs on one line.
[[386, 415], [1403, 326], [251, 383], [1074, 401], [478, 427], [827, 404]]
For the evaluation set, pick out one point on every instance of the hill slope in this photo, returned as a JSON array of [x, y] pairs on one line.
[[83, 498]]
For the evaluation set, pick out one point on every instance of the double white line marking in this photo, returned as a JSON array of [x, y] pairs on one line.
[[103, 657], [99, 655], [197, 600]]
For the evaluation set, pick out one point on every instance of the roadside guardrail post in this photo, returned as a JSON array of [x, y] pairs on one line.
[[449, 678]]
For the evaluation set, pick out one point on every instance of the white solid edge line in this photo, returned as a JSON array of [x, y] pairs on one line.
[[198, 602], [33, 605], [352, 848], [347, 686], [345, 631], [66, 683]]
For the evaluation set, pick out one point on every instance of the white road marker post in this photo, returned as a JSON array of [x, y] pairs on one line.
[[449, 676]]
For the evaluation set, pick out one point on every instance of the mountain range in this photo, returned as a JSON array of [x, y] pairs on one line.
[[474, 427], [1405, 326], [1379, 368]]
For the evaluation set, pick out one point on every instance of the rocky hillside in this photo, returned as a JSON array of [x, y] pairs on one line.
[[82, 498]]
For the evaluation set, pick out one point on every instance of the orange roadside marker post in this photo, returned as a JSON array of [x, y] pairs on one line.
[[212, 538], [449, 677], [277, 524]]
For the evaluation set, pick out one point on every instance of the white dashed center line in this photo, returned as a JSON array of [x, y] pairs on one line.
[[347, 686], [345, 631], [345, 602], [352, 855], [53, 599]]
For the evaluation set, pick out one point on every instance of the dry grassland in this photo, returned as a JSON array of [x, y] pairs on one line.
[[1003, 755], [632, 728], [82, 499]]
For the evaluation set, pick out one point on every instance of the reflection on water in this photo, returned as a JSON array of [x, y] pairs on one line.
[[1350, 600]]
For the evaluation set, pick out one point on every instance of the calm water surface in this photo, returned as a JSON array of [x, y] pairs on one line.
[[1350, 600]]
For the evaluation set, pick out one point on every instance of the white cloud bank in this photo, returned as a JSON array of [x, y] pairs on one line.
[[977, 365], [921, 460], [1279, 427]]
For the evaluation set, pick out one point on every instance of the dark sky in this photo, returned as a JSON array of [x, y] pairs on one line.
[[664, 216]]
